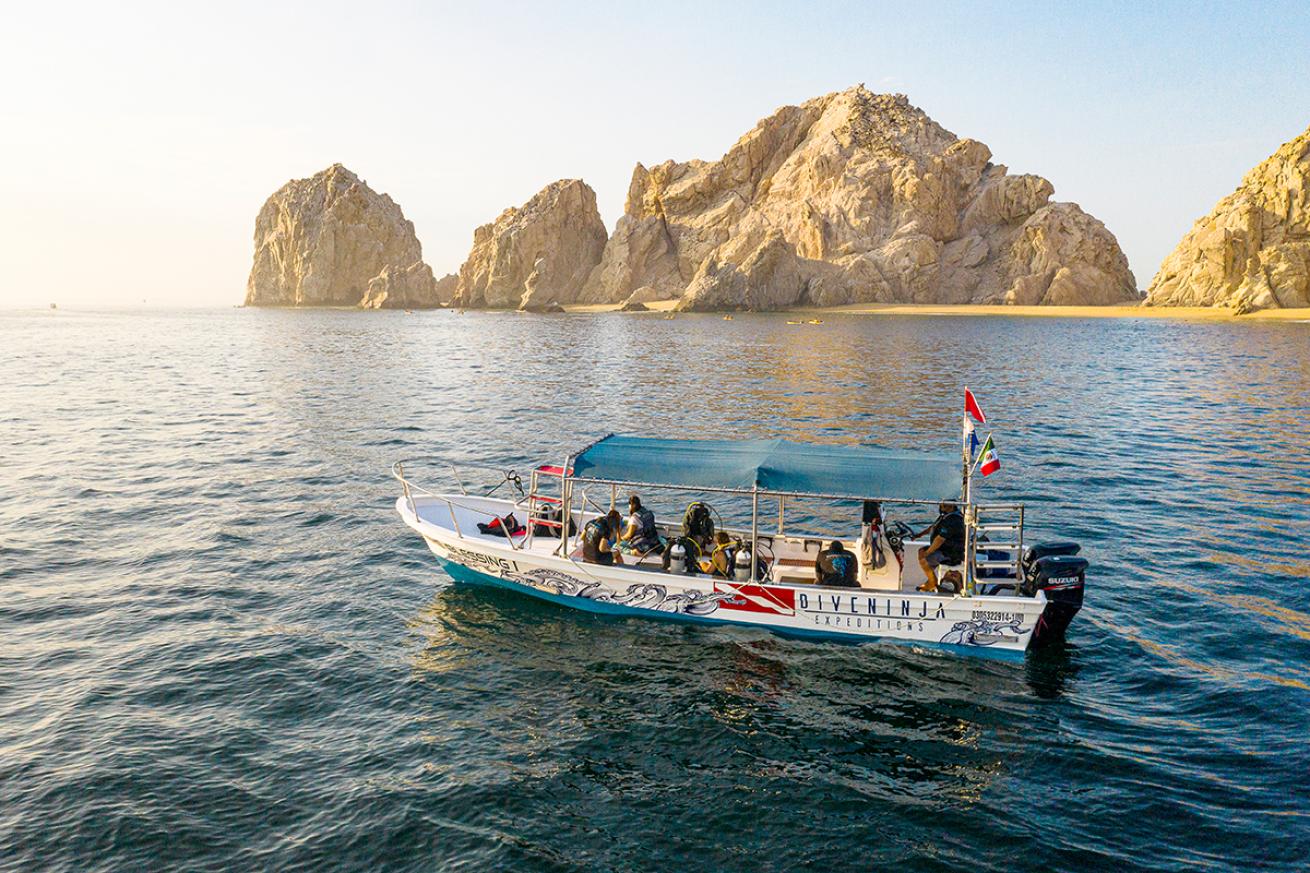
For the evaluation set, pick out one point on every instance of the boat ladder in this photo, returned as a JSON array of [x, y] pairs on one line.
[[1002, 525], [542, 508]]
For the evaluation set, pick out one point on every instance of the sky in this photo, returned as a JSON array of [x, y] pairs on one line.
[[139, 140]]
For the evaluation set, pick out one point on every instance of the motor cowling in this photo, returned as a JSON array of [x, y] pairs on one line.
[[1046, 550], [1062, 577]]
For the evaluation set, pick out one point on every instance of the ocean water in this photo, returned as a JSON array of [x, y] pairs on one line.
[[220, 649]]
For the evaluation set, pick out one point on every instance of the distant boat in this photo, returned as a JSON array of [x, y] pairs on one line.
[[815, 321], [727, 318], [53, 306]]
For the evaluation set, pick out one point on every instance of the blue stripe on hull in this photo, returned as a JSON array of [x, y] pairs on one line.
[[466, 575]]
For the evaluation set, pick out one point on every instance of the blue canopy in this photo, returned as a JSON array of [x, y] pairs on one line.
[[774, 465]]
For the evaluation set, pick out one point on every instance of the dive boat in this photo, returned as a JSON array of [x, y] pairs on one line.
[[1002, 597]]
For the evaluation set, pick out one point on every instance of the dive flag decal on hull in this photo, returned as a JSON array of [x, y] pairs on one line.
[[756, 598]]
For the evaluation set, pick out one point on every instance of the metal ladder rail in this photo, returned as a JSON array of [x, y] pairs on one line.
[[1015, 545], [539, 505]]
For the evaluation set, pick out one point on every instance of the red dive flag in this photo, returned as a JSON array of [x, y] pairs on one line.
[[972, 408], [988, 463]]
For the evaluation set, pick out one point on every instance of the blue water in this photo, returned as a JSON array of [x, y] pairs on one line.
[[219, 648]]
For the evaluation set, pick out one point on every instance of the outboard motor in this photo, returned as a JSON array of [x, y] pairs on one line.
[[741, 564], [677, 558], [1055, 569]]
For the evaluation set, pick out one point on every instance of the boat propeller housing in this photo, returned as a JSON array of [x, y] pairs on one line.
[[1056, 570]]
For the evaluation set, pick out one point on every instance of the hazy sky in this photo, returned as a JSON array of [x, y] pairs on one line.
[[138, 140]]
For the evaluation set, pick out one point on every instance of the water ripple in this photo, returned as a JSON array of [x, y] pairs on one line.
[[221, 650]]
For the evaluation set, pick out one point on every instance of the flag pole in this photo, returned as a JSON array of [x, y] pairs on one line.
[[964, 452], [970, 516]]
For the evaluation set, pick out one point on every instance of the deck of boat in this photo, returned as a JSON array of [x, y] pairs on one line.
[[793, 557]]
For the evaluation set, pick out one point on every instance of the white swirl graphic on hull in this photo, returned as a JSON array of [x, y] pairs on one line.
[[639, 595], [981, 632]]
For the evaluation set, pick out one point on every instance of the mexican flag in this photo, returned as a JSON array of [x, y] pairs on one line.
[[988, 462]]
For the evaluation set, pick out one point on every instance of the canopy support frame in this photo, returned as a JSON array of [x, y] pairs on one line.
[[755, 533]]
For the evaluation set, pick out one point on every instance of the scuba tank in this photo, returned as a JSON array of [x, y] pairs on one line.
[[741, 563], [677, 558]]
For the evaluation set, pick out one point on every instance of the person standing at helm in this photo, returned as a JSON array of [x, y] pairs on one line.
[[946, 545]]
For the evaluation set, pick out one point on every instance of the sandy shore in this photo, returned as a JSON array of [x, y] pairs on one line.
[[1123, 311]]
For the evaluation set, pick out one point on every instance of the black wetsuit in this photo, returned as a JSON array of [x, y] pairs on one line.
[[836, 568], [950, 527], [596, 532]]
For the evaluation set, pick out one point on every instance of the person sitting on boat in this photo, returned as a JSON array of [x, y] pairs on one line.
[[600, 536], [639, 536], [835, 567], [721, 557], [946, 545]]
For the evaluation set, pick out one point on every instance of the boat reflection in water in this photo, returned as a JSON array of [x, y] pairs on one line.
[[647, 701]]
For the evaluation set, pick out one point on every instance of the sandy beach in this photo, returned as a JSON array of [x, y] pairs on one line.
[[1193, 313]]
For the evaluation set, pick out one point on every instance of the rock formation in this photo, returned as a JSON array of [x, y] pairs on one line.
[[330, 240], [538, 254], [401, 288], [446, 288], [853, 197], [1253, 250]]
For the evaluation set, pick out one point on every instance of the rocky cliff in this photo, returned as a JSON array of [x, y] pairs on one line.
[[1253, 250], [538, 254], [412, 287], [330, 240], [853, 197]]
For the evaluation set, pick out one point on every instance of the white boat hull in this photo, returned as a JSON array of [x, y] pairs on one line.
[[999, 624]]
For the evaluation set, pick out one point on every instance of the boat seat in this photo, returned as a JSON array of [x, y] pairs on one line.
[[796, 562]]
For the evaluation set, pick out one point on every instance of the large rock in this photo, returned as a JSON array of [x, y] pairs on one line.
[[1253, 250], [446, 288], [853, 197], [537, 254], [330, 240], [401, 288], [769, 277]]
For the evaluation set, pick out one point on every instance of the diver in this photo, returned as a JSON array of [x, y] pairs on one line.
[[722, 557], [600, 538], [835, 567], [639, 536]]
